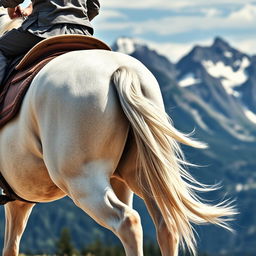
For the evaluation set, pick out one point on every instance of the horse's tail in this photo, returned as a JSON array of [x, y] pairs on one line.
[[160, 162]]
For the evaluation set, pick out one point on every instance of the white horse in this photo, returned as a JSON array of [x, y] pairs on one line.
[[93, 127]]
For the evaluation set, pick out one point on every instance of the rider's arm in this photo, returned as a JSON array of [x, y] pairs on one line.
[[93, 7], [10, 3], [14, 12]]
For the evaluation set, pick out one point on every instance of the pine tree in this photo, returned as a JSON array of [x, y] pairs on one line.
[[64, 246]]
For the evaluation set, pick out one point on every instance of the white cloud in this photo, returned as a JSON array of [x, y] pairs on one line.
[[110, 14], [113, 26], [211, 12], [247, 45], [247, 13], [173, 51], [159, 4], [168, 4], [243, 18]]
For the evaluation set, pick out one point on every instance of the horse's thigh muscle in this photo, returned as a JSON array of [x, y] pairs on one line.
[[122, 191]]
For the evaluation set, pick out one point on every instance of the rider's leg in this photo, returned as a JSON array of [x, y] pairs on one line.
[[14, 43], [3, 64], [17, 42]]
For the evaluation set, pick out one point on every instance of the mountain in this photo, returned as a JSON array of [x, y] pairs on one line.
[[148, 57], [201, 72], [214, 73], [211, 90], [247, 90], [214, 69]]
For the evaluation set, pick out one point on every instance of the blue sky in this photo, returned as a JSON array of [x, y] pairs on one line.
[[175, 26]]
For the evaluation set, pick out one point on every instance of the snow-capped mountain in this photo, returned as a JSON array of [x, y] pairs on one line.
[[222, 62], [213, 77], [146, 55], [216, 74]]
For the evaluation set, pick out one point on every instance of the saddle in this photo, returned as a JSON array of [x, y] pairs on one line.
[[19, 79], [22, 74]]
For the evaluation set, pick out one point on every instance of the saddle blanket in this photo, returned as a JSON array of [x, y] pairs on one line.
[[12, 93]]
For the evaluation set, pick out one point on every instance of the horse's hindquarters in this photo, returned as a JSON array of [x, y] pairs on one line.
[[80, 118], [71, 116]]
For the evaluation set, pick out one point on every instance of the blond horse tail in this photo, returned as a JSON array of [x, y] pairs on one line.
[[160, 162]]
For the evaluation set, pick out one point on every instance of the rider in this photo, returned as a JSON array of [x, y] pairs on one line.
[[46, 18]]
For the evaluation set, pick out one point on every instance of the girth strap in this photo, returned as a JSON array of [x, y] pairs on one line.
[[9, 194]]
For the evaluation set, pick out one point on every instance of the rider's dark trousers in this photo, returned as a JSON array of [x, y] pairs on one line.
[[14, 43]]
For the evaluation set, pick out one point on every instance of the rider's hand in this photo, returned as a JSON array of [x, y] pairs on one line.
[[27, 11], [15, 12]]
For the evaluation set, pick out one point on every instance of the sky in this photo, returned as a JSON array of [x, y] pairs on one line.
[[174, 27]]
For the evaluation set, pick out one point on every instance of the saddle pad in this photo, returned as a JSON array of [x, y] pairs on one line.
[[15, 88], [12, 93]]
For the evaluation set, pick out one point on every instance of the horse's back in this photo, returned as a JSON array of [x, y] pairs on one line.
[[90, 71]]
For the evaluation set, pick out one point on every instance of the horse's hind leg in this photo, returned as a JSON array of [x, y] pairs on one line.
[[92, 192], [168, 240], [16, 217]]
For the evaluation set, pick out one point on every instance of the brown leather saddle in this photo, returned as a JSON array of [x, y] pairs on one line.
[[14, 90]]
